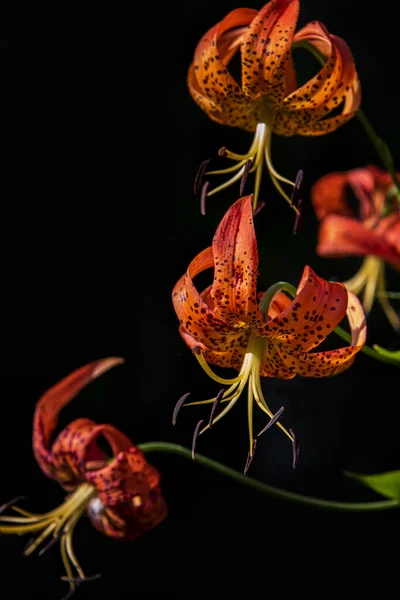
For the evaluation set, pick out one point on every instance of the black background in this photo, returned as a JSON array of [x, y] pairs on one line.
[[99, 222]]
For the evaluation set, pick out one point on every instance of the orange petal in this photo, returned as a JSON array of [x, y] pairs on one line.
[[221, 350], [52, 401], [331, 362], [318, 307], [336, 85], [200, 325], [236, 267], [266, 48], [209, 81], [343, 236], [131, 519], [328, 195]]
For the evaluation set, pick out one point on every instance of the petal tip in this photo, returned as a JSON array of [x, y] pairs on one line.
[[105, 364]]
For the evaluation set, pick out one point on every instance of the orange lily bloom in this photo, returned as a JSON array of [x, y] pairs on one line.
[[120, 494], [372, 229], [267, 99], [226, 325]]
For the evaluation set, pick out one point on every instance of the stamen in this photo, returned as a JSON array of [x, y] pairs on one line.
[[295, 197], [295, 448], [178, 406], [203, 197], [250, 456], [258, 208], [75, 581], [247, 168], [299, 217], [214, 406], [195, 436], [9, 504], [198, 180], [49, 545], [272, 421]]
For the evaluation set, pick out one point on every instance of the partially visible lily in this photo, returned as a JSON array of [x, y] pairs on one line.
[[228, 326], [370, 228], [121, 493], [267, 99]]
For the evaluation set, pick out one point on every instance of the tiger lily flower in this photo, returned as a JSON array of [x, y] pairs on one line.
[[370, 227], [228, 326], [267, 99], [121, 494]]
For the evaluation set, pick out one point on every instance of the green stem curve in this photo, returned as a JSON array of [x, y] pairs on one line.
[[264, 488]]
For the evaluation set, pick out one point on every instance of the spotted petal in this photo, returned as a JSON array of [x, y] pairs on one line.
[[266, 49], [200, 324], [209, 81], [318, 307], [49, 407], [330, 362], [336, 85], [236, 267]]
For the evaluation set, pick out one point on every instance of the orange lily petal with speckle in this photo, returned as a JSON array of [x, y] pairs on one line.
[[209, 81], [266, 48], [330, 362], [318, 307], [234, 289]]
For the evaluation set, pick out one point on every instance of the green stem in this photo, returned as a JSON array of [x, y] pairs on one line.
[[381, 147], [367, 349], [264, 488]]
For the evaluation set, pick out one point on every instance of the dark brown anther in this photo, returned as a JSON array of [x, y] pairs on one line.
[[49, 544], [214, 406], [195, 436], [178, 406], [11, 503], [295, 449], [77, 581], [295, 197], [272, 421], [196, 350], [250, 456], [243, 180], [198, 180], [258, 208], [203, 197], [299, 218], [222, 152]]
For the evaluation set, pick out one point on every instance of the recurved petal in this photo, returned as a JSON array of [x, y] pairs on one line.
[[342, 236], [209, 81], [266, 50], [131, 519], [389, 229], [318, 307], [52, 401], [328, 195], [221, 350], [335, 79], [76, 451], [126, 476], [331, 362], [197, 319], [236, 267], [335, 85]]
